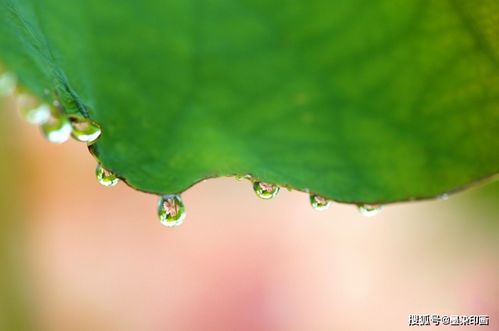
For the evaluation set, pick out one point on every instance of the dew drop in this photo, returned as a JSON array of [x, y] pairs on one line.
[[57, 129], [84, 130], [106, 177], [241, 177], [370, 210], [265, 190], [8, 84], [443, 196], [319, 203], [37, 115], [171, 210]]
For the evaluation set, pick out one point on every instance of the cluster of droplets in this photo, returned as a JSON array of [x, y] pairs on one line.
[[58, 128], [171, 209], [55, 126], [268, 191]]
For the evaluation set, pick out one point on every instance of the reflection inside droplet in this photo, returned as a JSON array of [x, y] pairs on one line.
[[105, 177], [84, 130], [171, 210], [265, 190], [319, 203]]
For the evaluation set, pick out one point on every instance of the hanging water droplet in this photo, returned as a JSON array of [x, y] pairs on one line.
[[84, 130], [241, 177], [370, 210], [8, 84], [265, 190], [443, 196], [106, 177], [319, 203], [33, 114], [57, 129], [171, 210]]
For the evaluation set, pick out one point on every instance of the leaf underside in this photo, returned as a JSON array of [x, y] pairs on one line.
[[359, 101]]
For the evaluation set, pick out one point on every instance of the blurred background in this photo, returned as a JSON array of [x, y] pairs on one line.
[[78, 256]]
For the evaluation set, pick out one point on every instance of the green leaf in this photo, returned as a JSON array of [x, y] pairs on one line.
[[359, 101]]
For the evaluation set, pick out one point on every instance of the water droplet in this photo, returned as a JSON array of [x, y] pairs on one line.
[[241, 177], [370, 210], [265, 190], [56, 104], [171, 210], [8, 84], [33, 114], [443, 196], [106, 177], [319, 203], [57, 129], [84, 130]]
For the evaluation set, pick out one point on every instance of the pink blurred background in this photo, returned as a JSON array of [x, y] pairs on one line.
[[78, 256]]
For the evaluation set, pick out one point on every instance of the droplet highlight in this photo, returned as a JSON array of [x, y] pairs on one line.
[[37, 115], [370, 210], [171, 210], [443, 196], [265, 190], [8, 83], [84, 130], [57, 129], [319, 203], [106, 177]]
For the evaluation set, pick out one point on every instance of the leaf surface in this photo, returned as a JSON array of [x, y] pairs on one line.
[[359, 101]]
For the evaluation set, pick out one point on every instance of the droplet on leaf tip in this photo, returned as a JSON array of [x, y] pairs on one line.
[[443, 196], [370, 210], [265, 190], [57, 129], [84, 130], [32, 113], [171, 210], [319, 203], [106, 177], [241, 177]]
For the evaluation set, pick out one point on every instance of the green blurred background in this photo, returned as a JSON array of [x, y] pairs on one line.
[[77, 256]]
